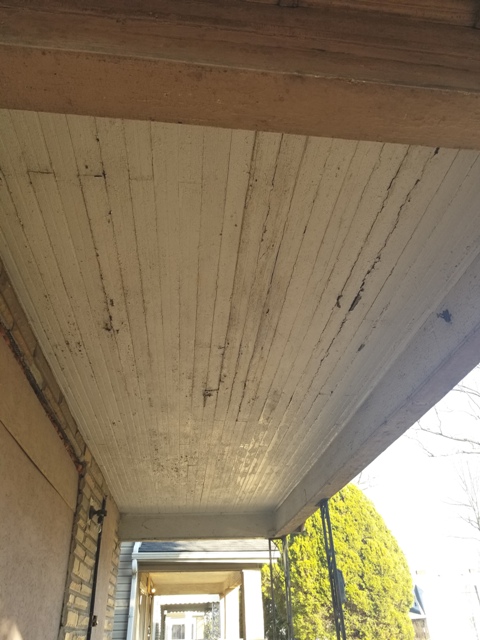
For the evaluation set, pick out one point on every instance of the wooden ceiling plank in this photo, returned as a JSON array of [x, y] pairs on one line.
[[335, 171], [304, 274], [401, 233], [45, 188], [277, 207], [406, 271], [215, 176], [98, 209], [313, 166], [332, 72], [142, 233], [58, 137], [191, 151], [272, 232], [416, 268], [351, 249], [262, 172], [241, 153], [139, 156], [346, 391], [340, 220], [83, 136], [289, 369], [155, 401], [125, 325], [300, 213], [166, 166], [86, 145], [312, 234]]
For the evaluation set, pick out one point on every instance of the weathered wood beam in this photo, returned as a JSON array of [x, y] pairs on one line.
[[463, 12], [322, 71], [177, 526]]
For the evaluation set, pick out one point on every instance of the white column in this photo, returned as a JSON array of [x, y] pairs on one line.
[[253, 605], [232, 614], [222, 617], [133, 606]]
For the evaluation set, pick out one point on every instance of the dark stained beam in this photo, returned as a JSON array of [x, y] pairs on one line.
[[327, 72], [462, 12]]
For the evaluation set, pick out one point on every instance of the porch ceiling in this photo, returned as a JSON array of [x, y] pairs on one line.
[[239, 321], [190, 582]]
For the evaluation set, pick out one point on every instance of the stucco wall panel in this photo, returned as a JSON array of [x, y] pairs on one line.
[[35, 532], [23, 416]]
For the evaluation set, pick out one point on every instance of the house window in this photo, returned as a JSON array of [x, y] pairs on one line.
[[178, 632]]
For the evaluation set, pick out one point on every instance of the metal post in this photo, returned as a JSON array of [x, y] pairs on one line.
[[272, 591], [332, 571], [100, 514], [288, 592]]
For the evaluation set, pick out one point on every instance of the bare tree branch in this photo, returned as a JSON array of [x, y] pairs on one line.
[[465, 446]]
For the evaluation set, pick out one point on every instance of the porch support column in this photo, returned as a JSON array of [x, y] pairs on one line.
[[232, 614], [253, 604], [222, 617]]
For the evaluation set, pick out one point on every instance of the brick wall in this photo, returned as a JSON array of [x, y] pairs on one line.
[[15, 329]]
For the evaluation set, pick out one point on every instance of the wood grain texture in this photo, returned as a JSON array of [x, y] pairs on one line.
[[461, 12], [331, 70]]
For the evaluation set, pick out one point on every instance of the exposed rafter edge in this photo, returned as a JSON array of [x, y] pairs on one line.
[[337, 74]]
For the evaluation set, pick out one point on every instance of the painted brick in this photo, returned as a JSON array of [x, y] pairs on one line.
[[81, 603], [84, 572], [96, 473], [80, 441], [83, 622], [6, 317], [79, 551], [37, 374], [49, 379], [90, 544], [76, 586], [24, 338], [71, 618], [89, 561], [11, 303]]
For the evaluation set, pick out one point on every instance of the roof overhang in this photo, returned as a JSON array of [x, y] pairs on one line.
[[290, 351]]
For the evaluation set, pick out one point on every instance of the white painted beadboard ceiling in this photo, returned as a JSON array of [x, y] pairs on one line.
[[216, 304], [189, 582]]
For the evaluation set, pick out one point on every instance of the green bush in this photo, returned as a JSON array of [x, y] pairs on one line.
[[378, 583]]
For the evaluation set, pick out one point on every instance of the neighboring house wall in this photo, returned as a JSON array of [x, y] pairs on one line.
[[122, 597], [49, 479]]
